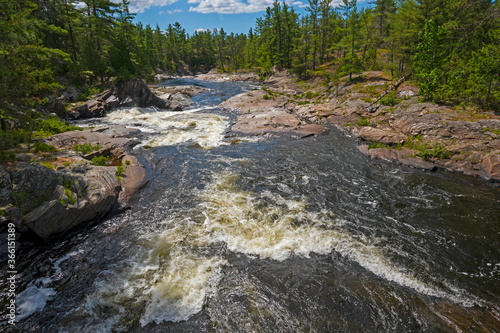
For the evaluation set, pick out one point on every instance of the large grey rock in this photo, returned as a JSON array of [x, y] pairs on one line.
[[55, 201], [53, 217], [68, 139], [134, 92], [404, 156], [377, 135], [189, 91], [177, 101], [274, 121], [491, 165], [32, 184]]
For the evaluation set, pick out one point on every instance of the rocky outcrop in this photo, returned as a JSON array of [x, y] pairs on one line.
[[134, 92], [274, 121], [379, 135], [457, 139], [94, 196], [189, 90], [177, 101], [491, 165], [261, 115], [214, 75], [50, 202], [115, 145], [403, 156]]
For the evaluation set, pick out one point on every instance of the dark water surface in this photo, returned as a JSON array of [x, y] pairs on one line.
[[271, 235]]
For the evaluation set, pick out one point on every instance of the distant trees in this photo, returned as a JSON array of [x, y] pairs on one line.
[[451, 46]]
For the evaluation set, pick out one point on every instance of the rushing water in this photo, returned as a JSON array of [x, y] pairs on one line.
[[270, 235]]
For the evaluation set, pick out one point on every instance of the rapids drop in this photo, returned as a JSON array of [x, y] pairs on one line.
[[274, 235]]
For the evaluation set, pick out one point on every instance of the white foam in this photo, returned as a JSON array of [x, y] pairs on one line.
[[174, 127], [181, 291], [33, 299], [170, 278], [270, 226], [164, 277], [38, 293]]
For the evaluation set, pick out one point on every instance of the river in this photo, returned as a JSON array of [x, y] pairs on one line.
[[270, 234]]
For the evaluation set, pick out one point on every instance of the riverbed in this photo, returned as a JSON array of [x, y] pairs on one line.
[[269, 234]]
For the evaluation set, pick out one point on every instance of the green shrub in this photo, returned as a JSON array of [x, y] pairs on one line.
[[99, 160], [6, 156], [363, 122], [71, 198], [374, 145], [12, 138], [42, 147], [390, 99], [89, 92], [436, 151], [53, 125], [85, 148], [127, 162], [48, 165], [310, 94], [119, 171]]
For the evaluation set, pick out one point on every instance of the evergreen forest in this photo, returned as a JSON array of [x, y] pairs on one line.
[[450, 47]]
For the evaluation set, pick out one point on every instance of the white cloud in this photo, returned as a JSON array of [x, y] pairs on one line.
[[229, 6], [200, 30], [175, 11], [138, 6], [299, 4]]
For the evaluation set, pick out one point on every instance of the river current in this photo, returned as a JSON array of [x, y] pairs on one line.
[[269, 234]]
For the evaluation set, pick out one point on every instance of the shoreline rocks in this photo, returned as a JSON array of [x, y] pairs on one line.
[[468, 138], [187, 91], [134, 92], [258, 115], [51, 202]]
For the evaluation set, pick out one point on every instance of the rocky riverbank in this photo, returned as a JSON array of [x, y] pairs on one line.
[[398, 127], [91, 175]]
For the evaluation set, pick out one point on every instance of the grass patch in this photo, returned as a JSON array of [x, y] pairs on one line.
[[9, 140], [18, 198], [99, 160], [363, 122], [495, 130], [7, 156], [89, 91], [42, 147], [435, 151], [119, 172], [71, 198], [48, 165], [374, 145], [53, 125], [415, 143], [86, 148], [310, 94], [390, 99]]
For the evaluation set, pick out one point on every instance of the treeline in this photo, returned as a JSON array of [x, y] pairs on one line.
[[451, 46]]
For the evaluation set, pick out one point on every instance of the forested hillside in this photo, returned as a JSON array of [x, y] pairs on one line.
[[452, 47]]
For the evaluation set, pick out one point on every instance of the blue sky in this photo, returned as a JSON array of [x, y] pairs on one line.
[[236, 16]]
